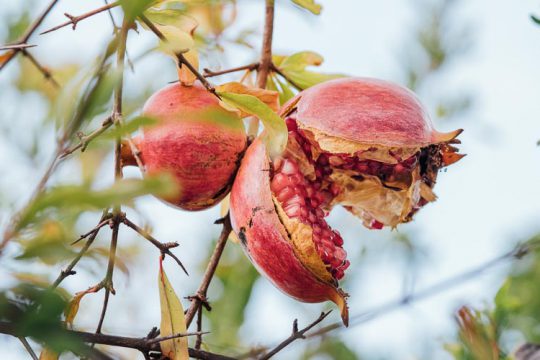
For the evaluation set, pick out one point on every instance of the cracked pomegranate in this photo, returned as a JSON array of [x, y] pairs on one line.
[[370, 146], [362, 143], [195, 140]]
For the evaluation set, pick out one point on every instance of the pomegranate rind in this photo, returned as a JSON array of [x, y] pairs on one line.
[[265, 239], [367, 111], [201, 154]]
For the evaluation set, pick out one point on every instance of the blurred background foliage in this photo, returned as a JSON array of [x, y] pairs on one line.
[[81, 188]]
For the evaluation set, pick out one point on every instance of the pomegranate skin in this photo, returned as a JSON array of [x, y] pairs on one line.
[[367, 111], [202, 155], [371, 145], [264, 238]]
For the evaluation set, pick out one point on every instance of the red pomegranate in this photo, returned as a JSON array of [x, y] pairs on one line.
[[195, 140], [362, 143]]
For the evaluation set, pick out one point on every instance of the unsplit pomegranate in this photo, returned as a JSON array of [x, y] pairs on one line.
[[363, 143], [195, 140]]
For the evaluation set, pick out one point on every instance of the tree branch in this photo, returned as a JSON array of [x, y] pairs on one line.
[[46, 73], [117, 210], [200, 296], [73, 20], [144, 344], [284, 76], [28, 348], [180, 57], [295, 335], [16, 46], [209, 73], [266, 59], [86, 139], [31, 29], [164, 248], [92, 236]]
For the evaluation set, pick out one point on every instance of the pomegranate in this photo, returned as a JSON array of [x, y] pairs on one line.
[[192, 142], [365, 144], [368, 145], [276, 215]]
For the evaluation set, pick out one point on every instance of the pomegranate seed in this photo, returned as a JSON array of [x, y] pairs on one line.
[[289, 167], [376, 225], [291, 124], [279, 182], [286, 193]]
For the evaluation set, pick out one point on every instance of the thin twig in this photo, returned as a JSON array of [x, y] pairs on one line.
[[16, 46], [284, 76], [46, 73], [209, 73], [198, 343], [200, 297], [180, 57], [117, 210], [73, 20], [163, 247], [28, 348], [175, 336], [31, 29], [86, 139], [295, 335], [266, 59], [92, 234]]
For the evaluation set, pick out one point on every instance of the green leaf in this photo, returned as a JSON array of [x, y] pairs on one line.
[[83, 198], [294, 68], [129, 127], [177, 18], [285, 93], [310, 5], [134, 8], [300, 60], [535, 19], [172, 320], [275, 136], [306, 79]]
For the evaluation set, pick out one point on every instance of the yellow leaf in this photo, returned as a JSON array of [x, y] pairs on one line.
[[73, 306], [172, 320], [185, 75], [5, 56], [269, 97], [48, 354], [310, 5]]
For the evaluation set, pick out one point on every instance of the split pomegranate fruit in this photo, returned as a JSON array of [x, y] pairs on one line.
[[195, 140], [366, 144]]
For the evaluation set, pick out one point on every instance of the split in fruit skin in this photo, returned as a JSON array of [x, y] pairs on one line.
[[365, 144]]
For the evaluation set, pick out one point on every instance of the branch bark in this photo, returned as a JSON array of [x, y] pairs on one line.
[[295, 335], [73, 20], [31, 29], [200, 296], [142, 344], [265, 63]]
